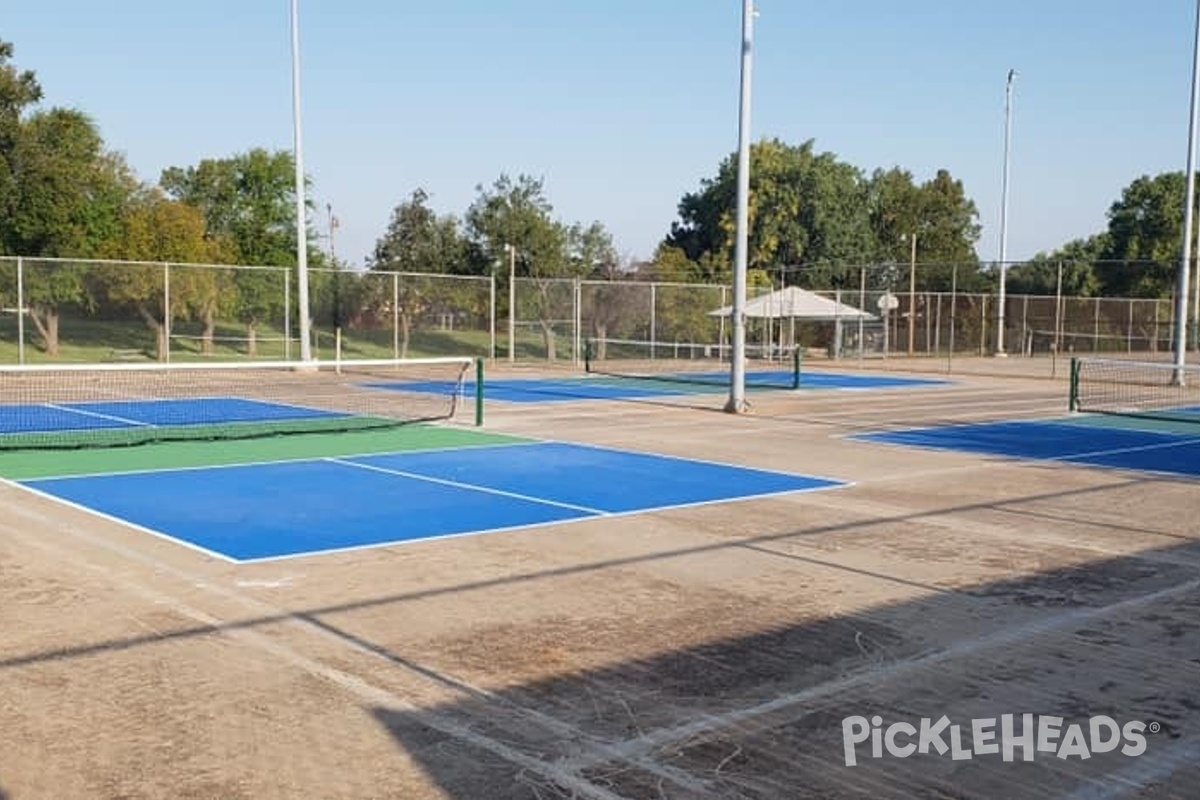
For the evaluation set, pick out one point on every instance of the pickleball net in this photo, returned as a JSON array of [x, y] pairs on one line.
[[700, 365], [112, 405], [1147, 389]]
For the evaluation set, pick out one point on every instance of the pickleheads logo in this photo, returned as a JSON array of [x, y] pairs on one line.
[[1004, 736]]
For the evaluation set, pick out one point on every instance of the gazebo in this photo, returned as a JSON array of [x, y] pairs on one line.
[[793, 303]]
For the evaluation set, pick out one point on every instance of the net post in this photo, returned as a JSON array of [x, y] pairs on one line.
[[1074, 394], [478, 392], [587, 354], [795, 367]]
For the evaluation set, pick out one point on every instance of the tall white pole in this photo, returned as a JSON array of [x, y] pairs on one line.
[[737, 389], [1000, 311], [301, 202], [1185, 266]]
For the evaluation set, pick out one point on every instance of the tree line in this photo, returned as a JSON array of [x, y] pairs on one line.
[[815, 221]]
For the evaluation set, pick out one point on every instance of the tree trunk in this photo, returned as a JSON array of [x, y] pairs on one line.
[[160, 332], [206, 338], [46, 322], [252, 338], [548, 335], [600, 350], [405, 330]]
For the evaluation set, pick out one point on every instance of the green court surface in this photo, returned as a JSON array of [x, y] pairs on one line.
[[30, 464]]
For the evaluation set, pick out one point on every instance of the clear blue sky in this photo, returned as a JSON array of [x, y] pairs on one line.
[[622, 106]]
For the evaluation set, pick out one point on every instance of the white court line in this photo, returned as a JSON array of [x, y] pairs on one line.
[[1069, 458], [119, 521], [412, 702], [742, 467], [830, 484], [469, 486], [608, 515], [96, 414]]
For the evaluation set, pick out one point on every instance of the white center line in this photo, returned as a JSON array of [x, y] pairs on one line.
[[470, 486], [98, 415]]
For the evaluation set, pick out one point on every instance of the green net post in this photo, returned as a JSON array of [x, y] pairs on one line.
[[1074, 395], [587, 354], [796, 368], [479, 392]]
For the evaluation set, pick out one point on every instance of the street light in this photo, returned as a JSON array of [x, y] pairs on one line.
[[912, 293], [1008, 95], [301, 203], [1181, 295], [512, 301], [737, 387]]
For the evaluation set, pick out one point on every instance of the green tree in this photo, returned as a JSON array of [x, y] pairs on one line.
[[69, 196], [947, 233], [805, 208], [417, 240], [18, 91], [516, 213], [158, 229], [1077, 259], [249, 199], [1145, 231]]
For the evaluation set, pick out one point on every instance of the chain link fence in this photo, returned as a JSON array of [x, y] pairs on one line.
[[94, 311]]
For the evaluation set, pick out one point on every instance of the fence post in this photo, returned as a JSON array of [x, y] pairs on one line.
[[576, 318], [20, 312], [953, 317], [721, 327], [983, 331], [1096, 328], [287, 315], [167, 312], [862, 308], [492, 318], [396, 315], [1058, 312], [937, 325], [928, 323], [653, 320], [1026, 349]]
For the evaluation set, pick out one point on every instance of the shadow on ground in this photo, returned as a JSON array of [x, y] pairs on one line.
[[760, 716]]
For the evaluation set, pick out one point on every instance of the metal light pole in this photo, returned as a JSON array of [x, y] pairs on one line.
[[1181, 305], [512, 301], [912, 296], [737, 389], [1000, 315], [301, 203], [333, 226]]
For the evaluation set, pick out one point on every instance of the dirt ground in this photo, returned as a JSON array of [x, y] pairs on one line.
[[706, 652]]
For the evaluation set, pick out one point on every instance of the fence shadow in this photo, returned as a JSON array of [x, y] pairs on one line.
[[760, 716]]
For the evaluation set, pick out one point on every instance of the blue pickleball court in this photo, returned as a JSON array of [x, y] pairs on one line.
[[280, 509]]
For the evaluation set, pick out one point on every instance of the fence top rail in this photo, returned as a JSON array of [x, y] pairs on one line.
[[116, 262], [362, 273], [167, 368]]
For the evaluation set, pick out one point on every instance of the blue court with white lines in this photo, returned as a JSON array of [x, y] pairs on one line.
[[667, 384], [57, 417], [288, 508], [1166, 448]]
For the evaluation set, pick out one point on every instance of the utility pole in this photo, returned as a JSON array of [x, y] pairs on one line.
[[1000, 313], [912, 296]]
